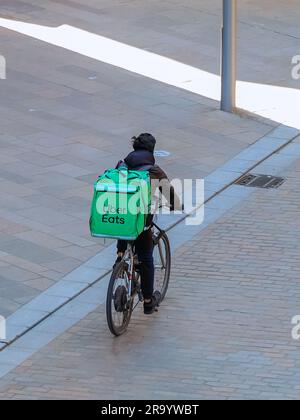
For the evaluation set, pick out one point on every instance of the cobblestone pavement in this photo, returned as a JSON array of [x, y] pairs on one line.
[[65, 118], [224, 331]]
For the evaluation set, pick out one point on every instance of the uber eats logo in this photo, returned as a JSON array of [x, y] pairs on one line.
[[112, 214]]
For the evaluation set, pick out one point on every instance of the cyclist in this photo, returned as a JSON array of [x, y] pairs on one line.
[[142, 158]]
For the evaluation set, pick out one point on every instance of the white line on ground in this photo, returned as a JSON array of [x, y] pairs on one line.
[[277, 103]]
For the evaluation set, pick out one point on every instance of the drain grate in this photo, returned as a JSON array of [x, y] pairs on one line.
[[260, 181]]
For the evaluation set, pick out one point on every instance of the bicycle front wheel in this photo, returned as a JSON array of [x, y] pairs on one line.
[[118, 305], [162, 262]]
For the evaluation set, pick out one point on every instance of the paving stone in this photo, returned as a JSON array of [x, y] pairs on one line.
[[29, 251]]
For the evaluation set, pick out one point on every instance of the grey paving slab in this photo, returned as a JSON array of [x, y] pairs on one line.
[[66, 288], [27, 318], [5, 368], [29, 251], [83, 275], [46, 302], [8, 305]]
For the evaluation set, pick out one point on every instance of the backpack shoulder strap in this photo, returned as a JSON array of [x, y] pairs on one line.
[[121, 164], [145, 168]]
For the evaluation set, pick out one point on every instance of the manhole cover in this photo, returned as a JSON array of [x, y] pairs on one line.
[[260, 181], [161, 153]]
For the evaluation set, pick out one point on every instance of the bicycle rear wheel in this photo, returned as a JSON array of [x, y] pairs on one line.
[[118, 306], [162, 262]]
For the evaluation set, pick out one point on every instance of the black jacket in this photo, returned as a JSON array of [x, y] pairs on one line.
[[144, 160]]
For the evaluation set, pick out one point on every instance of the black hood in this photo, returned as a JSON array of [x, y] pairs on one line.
[[139, 159]]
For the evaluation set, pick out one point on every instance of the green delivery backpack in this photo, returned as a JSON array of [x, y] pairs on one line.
[[121, 204]]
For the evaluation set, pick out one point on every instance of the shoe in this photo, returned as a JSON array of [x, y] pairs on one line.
[[152, 306]]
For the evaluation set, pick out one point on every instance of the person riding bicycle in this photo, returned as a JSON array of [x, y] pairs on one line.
[[142, 158]]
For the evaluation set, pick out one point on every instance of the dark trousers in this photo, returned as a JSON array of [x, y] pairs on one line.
[[144, 250]]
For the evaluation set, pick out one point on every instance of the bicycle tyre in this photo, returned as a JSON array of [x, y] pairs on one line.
[[110, 307], [166, 266]]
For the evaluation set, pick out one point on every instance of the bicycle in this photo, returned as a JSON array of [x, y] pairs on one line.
[[124, 290]]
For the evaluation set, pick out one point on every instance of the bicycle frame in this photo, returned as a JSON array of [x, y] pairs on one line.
[[129, 258]]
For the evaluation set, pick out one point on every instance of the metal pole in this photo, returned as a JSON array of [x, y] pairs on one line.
[[229, 60]]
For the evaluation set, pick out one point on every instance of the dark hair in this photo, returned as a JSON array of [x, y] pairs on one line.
[[144, 141]]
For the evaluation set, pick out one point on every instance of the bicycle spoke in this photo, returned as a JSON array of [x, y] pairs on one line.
[[162, 258]]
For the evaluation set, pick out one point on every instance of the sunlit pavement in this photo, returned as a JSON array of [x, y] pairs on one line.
[[278, 103]]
